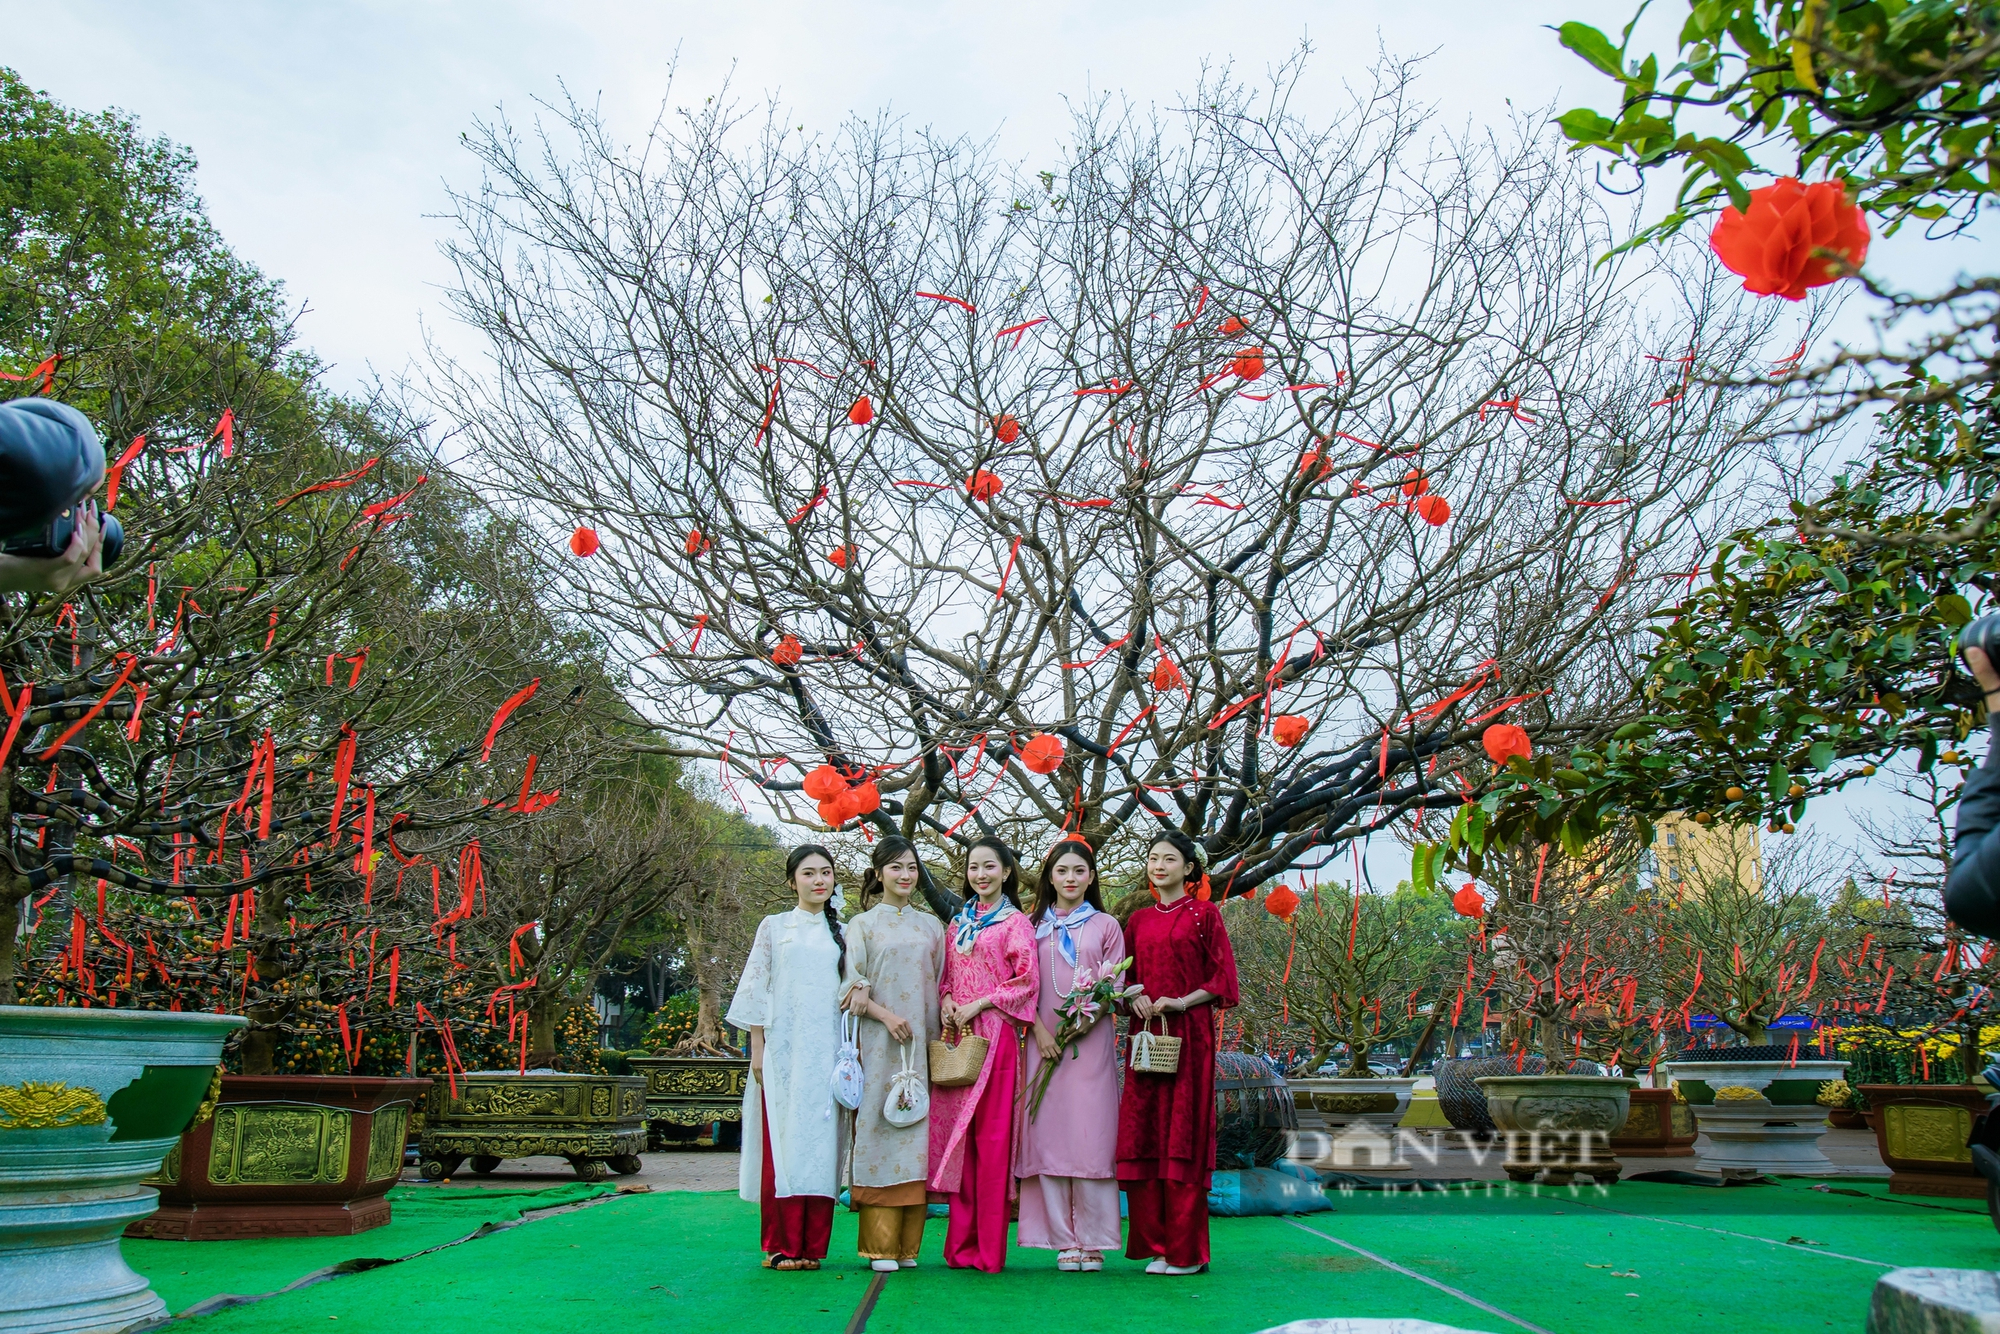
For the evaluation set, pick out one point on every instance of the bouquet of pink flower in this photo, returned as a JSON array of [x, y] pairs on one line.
[[1091, 997]]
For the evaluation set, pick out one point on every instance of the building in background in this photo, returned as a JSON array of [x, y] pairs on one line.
[[1686, 853]]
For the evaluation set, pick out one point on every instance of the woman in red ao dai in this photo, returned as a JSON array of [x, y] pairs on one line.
[[1166, 1123], [989, 988]]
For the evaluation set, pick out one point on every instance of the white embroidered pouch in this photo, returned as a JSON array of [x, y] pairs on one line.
[[909, 1098], [847, 1090]]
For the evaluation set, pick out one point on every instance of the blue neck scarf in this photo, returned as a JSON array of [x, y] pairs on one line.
[[1062, 927], [965, 927]]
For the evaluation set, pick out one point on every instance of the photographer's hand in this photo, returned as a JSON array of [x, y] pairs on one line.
[[81, 562]]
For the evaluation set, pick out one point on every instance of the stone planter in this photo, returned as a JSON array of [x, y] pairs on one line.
[[1921, 1131], [286, 1156], [93, 1100], [1558, 1127], [1759, 1115], [1326, 1103], [1458, 1093], [690, 1092], [597, 1122], [1659, 1125]]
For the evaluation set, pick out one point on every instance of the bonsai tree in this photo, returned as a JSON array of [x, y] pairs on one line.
[[1750, 938], [1352, 968]]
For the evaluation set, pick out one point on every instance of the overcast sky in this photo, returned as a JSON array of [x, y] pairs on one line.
[[327, 132]]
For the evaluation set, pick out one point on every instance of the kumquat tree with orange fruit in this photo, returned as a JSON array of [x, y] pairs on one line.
[[1234, 474]]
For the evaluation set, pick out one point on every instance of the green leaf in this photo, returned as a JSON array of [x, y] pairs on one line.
[[1585, 126], [1955, 609], [1821, 755], [1593, 46]]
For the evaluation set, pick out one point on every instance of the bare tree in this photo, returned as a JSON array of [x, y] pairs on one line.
[[903, 459]]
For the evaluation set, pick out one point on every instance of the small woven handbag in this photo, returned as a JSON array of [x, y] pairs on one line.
[[956, 1064], [1156, 1053]]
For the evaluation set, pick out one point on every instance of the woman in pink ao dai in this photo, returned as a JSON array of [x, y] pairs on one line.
[[1068, 1155]]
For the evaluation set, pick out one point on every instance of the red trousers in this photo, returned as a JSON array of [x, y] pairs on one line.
[[975, 1237], [1166, 1218], [798, 1227]]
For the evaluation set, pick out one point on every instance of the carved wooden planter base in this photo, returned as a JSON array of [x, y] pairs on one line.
[[596, 1122], [286, 1156], [1659, 1125], [1921, 1130], [684, 1092]]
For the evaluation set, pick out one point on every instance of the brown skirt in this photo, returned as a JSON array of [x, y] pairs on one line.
[[899, 1196]]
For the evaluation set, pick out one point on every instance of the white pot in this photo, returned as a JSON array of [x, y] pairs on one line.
[[1746, 1135]]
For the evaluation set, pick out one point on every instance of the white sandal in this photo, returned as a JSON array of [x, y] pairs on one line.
[[1158, 1265], [1091, 1262], [884, 1266], [1069, 1262]]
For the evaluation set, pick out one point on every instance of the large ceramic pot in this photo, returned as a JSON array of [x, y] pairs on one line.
[[1558, 1127], [1326, 1103], [597, 1122], [687, 1095], [1921, 1131], [1660, 1124], [1760, 1115], [1459, 1095], [91, 1101], [286, 1156]]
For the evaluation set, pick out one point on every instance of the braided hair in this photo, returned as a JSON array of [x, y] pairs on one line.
[[792, 862]]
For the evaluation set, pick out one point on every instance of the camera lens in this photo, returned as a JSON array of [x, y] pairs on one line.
[[1982, 632], [114, 540]]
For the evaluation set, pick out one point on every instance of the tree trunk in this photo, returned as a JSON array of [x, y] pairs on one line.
[[543, 1016], [1357, 1043], [708, 973], [10, 939], [259, 1050]]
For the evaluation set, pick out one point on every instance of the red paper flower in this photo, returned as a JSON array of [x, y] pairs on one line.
[[583, 542], [1786, 242], [862, 412], [824, 783], [1433, 509], [788, 651], [841, 556], [1290, 729], [1005, 429], [1503, 741], [1415, 483], [984, 485], [1469, 902], [696, 544], [1249, 363], [1232, 325], [1043, 753], [1281, 903], [1314, 459], [1166, 676]]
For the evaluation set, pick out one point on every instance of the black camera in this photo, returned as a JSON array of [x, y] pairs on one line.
[[1982, 632], [53, 540]]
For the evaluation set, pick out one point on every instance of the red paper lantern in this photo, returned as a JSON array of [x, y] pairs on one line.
[[983, 485], [1415, 483], [1043, 753], [834, 811], [1787, 240], [583, 542], [1290, 729], [1232, 325], [1469, 902], [788, 651], [1249, 363], [696, 544], [1166, 676], [1503, 741], [1281, 903], [1005, 429], [1314, 459], [862, 412], [867, 798], [1433, 509], [824, 783]]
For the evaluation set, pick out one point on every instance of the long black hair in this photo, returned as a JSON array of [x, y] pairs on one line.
[[1045, 892], [792, 860], [1011, 887], [890, 848], [1197, 875]]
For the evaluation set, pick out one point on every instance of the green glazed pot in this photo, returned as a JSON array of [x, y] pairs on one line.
[[90, 1103]]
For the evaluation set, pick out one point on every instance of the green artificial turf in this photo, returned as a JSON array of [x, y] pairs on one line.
[[187, 1272], [1642, 1258]]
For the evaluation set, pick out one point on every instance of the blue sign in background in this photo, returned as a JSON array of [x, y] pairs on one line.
[[1783, 1021]]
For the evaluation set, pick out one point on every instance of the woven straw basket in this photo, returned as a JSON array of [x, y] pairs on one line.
[[1156, 1053], [956, 1064]]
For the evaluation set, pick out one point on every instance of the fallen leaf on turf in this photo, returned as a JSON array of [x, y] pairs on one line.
[[1802, 1241], [1630, 1273], [1588, 1265]]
